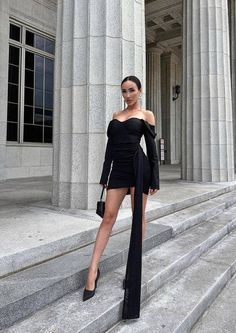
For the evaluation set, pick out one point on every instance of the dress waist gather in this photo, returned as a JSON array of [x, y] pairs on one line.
[[124, 152]]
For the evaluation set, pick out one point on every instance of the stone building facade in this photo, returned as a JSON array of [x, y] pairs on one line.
[[61, 67], [25, 143]]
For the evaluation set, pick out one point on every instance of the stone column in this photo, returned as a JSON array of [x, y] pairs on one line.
[[4, 51], [98, 43], [207, 137], [171, 110], [232, 15], [153, 85]]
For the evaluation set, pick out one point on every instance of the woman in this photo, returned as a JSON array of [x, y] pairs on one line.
[[127, 170]]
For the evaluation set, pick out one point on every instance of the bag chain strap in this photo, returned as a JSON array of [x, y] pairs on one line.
[[102, 193]]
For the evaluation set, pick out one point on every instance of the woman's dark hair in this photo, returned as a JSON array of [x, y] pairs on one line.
[[133, 79]]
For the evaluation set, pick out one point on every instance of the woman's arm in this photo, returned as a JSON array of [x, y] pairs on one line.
[[149, 134], [107, 163]]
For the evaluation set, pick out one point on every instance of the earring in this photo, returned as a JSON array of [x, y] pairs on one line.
[[140, 101]]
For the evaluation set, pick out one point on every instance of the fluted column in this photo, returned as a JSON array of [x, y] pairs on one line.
[[98, 43], [232, 15], [153, 84], [4, 37], [207, 149]]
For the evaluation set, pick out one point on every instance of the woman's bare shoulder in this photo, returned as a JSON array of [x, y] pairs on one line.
[[116, 114], [149, 117]]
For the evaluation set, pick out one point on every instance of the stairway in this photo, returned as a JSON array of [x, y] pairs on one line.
[[189, 256]]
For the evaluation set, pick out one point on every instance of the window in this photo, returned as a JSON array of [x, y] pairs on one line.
[[13, 93], [30, 86]]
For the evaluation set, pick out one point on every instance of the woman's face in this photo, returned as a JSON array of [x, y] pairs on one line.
[[130, 92]]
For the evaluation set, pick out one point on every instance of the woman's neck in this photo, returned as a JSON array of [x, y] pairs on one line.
[[135, 107]]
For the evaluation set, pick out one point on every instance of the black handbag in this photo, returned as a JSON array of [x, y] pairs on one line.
[[101, 205]]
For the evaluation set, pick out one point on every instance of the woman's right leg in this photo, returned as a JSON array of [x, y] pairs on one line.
[[114, 198]]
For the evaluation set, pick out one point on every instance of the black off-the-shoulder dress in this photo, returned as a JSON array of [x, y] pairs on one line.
[[126, 166]]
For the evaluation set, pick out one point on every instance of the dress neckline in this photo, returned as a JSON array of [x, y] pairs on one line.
[[127, 119], [132, 118]]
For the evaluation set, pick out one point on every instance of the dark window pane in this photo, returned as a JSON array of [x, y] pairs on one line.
[[14, 53], [13, 93], [49, 74], [11, 131], [38, 98], [13, 74], [39, 63], [15, 32], [33, 133], [38, 116], [12, 112], [39, 80], [29, 38], [29, 60], [28, 115], [48, 117], [48, 100], [29, 93], [50, 46], [49, 66], [29, 78], [39, 42], [48, 134], [49, 82]]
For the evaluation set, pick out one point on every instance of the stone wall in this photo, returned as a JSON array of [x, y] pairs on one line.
[[22, 161]]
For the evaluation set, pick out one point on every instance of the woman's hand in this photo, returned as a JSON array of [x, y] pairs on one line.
[[152, 191]]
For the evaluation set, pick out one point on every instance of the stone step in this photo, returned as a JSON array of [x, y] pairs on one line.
[[180, 303], [77, 232], [187, 218], [220, 317], [228, 192], [160, 265], [43, 237], [27, 291]]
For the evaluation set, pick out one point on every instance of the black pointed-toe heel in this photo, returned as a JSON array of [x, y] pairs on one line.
[[90, 293]]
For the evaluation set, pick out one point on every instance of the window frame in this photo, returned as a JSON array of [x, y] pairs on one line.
[[21, 95]]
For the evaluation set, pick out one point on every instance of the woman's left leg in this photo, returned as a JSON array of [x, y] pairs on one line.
[[144, 202]]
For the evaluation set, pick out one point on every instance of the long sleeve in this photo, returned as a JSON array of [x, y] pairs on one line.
[[106, 163], [149, 134]]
